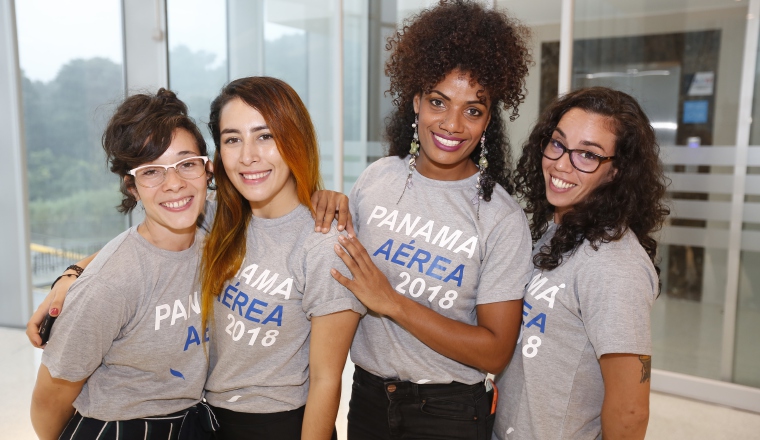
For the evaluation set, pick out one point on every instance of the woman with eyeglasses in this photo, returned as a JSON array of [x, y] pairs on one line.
[[118, 365], [591, 177]]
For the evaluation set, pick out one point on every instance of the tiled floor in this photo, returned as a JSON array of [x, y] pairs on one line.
[[672, 418]]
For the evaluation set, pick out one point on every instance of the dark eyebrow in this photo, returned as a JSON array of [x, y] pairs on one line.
[[584, 143], [449, 99], [253, 130], [229, 130]]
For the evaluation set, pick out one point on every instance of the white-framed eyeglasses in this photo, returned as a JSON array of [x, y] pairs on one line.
[[154, 175]]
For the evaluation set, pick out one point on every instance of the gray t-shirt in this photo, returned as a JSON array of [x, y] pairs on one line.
[[596, 302], [259, 356], [436, 251], [132, 325]]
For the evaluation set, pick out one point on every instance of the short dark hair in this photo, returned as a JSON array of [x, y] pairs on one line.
[[140, 131], [487, 44], [633, 199]]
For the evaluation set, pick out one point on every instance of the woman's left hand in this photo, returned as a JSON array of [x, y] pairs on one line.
[[329, 205], [370, 285]]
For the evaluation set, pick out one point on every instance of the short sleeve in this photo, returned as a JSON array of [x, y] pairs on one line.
[[322, 295], [506, 266], [616, 289], [84, 332]]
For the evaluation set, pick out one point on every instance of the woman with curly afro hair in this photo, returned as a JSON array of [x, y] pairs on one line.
[[445, 254], [591, 177]]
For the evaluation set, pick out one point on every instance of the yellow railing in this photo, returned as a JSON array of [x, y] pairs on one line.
[[57, 252]]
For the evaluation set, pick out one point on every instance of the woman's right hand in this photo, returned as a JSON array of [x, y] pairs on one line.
[[329, 205], [52, 304]]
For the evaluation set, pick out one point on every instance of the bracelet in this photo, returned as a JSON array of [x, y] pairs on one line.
[[61, 276], [76, 269]]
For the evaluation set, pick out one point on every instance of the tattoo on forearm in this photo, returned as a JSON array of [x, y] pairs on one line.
[[646, 368]]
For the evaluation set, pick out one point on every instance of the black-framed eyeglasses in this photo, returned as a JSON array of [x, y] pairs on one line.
[[582, 160], [150, 176]]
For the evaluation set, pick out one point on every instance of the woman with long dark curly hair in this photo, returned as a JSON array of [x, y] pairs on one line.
[[591, 177], [447, 248]]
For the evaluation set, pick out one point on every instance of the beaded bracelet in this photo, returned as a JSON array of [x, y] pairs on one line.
[[76, 269]]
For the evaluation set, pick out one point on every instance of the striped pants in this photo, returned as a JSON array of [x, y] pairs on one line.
[[185, 425]]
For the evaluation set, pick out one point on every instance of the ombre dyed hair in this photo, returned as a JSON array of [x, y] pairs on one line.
[[293, 132]]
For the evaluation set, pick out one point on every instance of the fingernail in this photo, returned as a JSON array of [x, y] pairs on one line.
[[54, 312], [340, 227]]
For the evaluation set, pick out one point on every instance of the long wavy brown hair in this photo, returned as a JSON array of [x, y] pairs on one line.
[[293, 132], [488, 45], [633, 199]]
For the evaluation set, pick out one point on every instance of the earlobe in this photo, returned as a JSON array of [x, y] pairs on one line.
[[611, 175], [132, 189]]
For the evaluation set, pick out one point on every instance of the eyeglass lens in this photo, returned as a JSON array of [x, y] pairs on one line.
[[187, 169], [582, 160]]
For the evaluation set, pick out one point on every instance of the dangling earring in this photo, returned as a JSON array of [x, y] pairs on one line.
[[211, 183], [482, 165], [414, 151]]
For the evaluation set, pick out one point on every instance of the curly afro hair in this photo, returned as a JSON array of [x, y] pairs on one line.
[[457, 34], [633, 199]]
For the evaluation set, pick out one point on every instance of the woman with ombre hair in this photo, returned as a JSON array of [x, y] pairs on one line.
[[281, 326]]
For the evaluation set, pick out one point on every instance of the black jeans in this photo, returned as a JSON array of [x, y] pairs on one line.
[[399, 410], [285, 425]]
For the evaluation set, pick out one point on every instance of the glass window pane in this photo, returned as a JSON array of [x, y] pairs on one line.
[[543, 19], [71, 84], [299, 49], [747, 353], [355, 89], [197, 36], [682, 59], [383, 16], [747, 359]]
